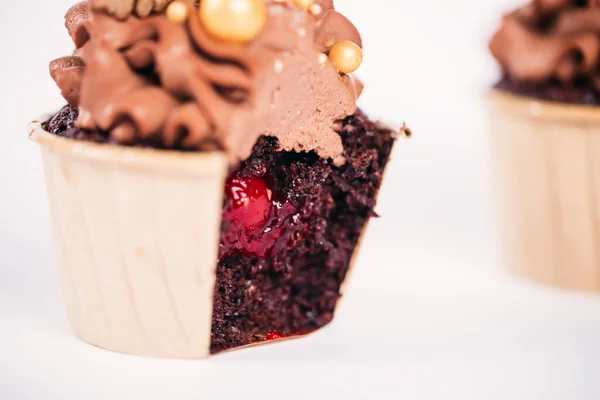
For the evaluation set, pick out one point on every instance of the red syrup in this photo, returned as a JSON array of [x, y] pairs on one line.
[[273, 336], [256, 222]]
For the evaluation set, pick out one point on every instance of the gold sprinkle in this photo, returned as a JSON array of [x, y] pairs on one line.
[[177, 12], [303, 4], [329, 42], [322, 58], [233, 20], [278, 66], [316, 9], [346, 56]]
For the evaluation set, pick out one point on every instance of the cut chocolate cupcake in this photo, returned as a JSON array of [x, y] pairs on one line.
[[214, 169], [291, 225]]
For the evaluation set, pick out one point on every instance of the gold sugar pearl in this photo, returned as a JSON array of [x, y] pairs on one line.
[[322, 58], [316, 9], [346, 56], [177, 12], [303, 4], [233, 20]]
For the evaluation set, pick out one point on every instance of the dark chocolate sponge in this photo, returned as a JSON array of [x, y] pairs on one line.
[[294, 288], [580, 92]]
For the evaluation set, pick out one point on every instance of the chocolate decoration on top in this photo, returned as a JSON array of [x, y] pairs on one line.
[[142, 79], [551, 40], [124, 8]]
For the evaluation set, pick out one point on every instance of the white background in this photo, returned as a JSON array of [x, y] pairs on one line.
[[430, 313]]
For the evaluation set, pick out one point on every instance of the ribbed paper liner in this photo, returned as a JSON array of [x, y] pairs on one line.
[[137, 234], [548, 174]]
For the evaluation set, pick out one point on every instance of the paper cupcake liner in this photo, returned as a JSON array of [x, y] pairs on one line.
[[548, 174], [137, 234]]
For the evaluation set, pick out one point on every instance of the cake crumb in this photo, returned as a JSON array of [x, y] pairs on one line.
[[405, 131]]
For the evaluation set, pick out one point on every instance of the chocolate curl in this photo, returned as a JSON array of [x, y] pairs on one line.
[[122, 9], [118, 99], [148, 118], [76, 23], [119, 8], [188, 125], [67, 72], [143, 8], [130, 107]]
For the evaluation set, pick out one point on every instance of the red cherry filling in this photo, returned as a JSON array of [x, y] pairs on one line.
[[255, 223], [250, 202], [274, 336]]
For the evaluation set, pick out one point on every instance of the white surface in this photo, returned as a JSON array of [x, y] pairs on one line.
[[430, 314]]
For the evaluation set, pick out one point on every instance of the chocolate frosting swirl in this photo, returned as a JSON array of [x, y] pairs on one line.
[[142, 79], [551, 40], [124, 8]]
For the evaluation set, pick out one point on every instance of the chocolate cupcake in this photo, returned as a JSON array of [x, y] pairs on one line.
[[546, 128], [211, 177]]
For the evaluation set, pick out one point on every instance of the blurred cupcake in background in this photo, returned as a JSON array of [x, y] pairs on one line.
[[545, 118]]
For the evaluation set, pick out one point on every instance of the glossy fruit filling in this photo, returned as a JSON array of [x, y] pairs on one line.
[[256, 222]]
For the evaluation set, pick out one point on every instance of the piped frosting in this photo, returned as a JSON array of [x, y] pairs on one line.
[[143, 77]]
